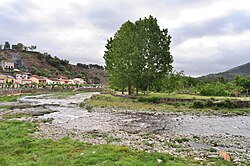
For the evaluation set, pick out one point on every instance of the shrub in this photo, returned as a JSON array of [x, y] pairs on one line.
[[149, 100], [209, 103], [198, 104], [87, 106], [227, 104]]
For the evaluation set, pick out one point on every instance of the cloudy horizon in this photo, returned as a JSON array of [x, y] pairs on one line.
[[207, 36]]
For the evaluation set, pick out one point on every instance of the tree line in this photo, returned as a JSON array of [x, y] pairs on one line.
[[90, 66], [180, 83], [19, 46]]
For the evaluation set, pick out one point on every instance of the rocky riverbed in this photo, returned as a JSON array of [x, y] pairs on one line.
[[196, 136]]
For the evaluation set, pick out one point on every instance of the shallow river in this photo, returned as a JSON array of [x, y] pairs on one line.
[[70, 115]]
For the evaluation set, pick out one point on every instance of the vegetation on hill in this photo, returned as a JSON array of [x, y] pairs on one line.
[[44, 64], [243, 70]]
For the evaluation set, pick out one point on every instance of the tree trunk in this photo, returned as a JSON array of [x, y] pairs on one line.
[[123, 91], [137, 90], [129, 89], [148, 89]]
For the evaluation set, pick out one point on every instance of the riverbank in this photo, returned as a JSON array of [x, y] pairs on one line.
[[199, 106], [152, 132], [19, 148]]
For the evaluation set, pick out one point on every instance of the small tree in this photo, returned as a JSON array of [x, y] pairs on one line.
[[32, 47], [6, 46], [9, 83]]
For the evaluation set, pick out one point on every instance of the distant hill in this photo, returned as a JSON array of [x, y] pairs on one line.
[[230, 74], [44, 64]]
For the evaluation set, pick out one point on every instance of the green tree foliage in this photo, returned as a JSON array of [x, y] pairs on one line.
[[242, 81], [32, 47], [138, 55], [54, 61], [90, 66], [9, 83], [219, 89], [6, 46]]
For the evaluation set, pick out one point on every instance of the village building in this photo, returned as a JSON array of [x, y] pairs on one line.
[[6, 80], [62, 78], [21, 75], [56, 81], [2, 79], [68, 81], [7, 65], [26, 81], [79, 81], [38, 79], [48, 81]]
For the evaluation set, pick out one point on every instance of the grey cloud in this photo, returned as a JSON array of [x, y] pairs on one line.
[[111, 15], [105, 18], [225, 58], [17, 8], [233, 23]]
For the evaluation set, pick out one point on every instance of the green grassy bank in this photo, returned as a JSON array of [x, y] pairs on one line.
[[18, 147], [199, 105]]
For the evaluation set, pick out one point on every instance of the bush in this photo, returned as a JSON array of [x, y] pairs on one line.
[[149, 100], [87, 106], [226, 104], [209, 103], [198, 104], [217, 89]]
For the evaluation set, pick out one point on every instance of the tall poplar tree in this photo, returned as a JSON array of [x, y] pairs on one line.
[[138, 55]]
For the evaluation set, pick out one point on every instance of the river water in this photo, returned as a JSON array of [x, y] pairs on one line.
[[70, 115]]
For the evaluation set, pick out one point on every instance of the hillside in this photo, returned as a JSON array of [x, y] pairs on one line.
[[46, 65], [230, 74]]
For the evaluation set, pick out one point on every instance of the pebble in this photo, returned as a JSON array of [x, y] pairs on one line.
[[159, 161]]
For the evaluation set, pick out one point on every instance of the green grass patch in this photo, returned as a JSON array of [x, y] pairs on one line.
[[11, 116], [191, 96], [181, 140], [128, 103], [14, 98], [19, 148], [5, 107], [9, 98], [86, 105], [173, 145], [198, 106]]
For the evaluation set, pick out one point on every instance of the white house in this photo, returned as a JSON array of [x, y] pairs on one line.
[[21, 75], [26, 81], [79, 81], [48, 81], [7, 65], [56, 81]]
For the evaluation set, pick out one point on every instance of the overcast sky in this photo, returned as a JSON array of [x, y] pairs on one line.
[[208, 36]]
